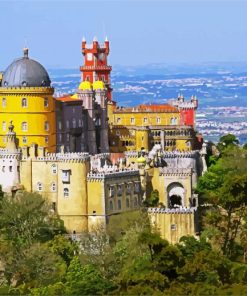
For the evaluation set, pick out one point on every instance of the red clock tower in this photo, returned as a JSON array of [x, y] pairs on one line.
[[95, 63]]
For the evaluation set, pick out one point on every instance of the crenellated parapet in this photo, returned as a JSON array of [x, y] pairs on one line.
[[99, 176], [61, 157], [26, 90], [131, 154], [175, 171], [181, 154], [181, 210]]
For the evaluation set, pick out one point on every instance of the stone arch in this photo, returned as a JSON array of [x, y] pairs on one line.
[[175, 195]]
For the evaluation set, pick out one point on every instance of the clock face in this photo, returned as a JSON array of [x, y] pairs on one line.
[[89, 56], [101, 56]]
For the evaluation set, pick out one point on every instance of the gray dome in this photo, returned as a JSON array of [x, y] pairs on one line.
[[25, 72]]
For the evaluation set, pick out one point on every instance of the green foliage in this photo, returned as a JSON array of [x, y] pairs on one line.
[[25, 219], [153, 199], [226, 141], [34, 267], [61, 246], [224, 187], [85, 280]]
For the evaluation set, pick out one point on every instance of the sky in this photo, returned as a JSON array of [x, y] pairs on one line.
[[140, 31]]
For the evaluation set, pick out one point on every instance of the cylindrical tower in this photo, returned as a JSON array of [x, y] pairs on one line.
[[26, 99]]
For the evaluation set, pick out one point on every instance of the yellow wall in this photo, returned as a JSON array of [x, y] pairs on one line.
[[99, 198], [35, 114], [161, 182], [152, 118], [184, 225]]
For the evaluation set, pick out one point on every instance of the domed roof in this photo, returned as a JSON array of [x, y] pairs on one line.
[[141, 159], [98, 85], [85, 85], [26, 72]]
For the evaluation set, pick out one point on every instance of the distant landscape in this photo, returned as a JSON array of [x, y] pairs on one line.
[[220, 88]]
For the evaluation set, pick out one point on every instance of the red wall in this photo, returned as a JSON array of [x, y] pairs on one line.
[[187, 117]]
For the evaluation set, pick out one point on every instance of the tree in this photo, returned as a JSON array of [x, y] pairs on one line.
[[85, 280], [226, 141], [63, 247], [153, 200], [25, 219], [35, 266], [224, 187]]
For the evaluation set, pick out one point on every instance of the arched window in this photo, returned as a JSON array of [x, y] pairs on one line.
[[67, 123], [59, 125], [46, 102], [79, 122], [46, 126], [54, 169], [39, 186], [74, 123], [24, 140], [66, 192], [24, 126], [4, 102], [24, 102], [4, 126], [53, 187]]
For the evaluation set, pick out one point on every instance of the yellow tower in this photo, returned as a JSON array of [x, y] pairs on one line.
[[26, 99]]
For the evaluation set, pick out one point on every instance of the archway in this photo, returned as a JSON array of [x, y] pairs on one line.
[[175, 195]]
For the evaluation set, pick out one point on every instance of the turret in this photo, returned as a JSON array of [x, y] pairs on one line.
[[10, 162]]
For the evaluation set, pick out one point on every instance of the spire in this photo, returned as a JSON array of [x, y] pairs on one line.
[[83, 39], [106, 39], [95, 39], [25, 52]]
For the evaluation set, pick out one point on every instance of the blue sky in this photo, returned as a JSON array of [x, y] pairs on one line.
[[140, 31]]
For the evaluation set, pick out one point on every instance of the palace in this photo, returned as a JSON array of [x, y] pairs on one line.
[[92, 159]]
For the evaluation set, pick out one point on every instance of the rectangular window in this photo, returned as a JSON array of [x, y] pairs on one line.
[[118, 120], [66, 176], [119, 189], [4, 102], [24, 126], [4, 126], [145, 120], [132, 120], [111, 191], [46, 102], [24, 140], [173, 227], [158, 120], [137, 187]]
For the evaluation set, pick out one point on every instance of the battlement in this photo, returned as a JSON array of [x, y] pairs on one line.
[[181, 210], [180, 154], [176, 171], [98, 176], [28, 90], [66, 157], [131, 154]]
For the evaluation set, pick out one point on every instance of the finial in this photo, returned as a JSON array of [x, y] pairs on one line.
[[25, 52], [83, 39], [95, 39], [106, 39]]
